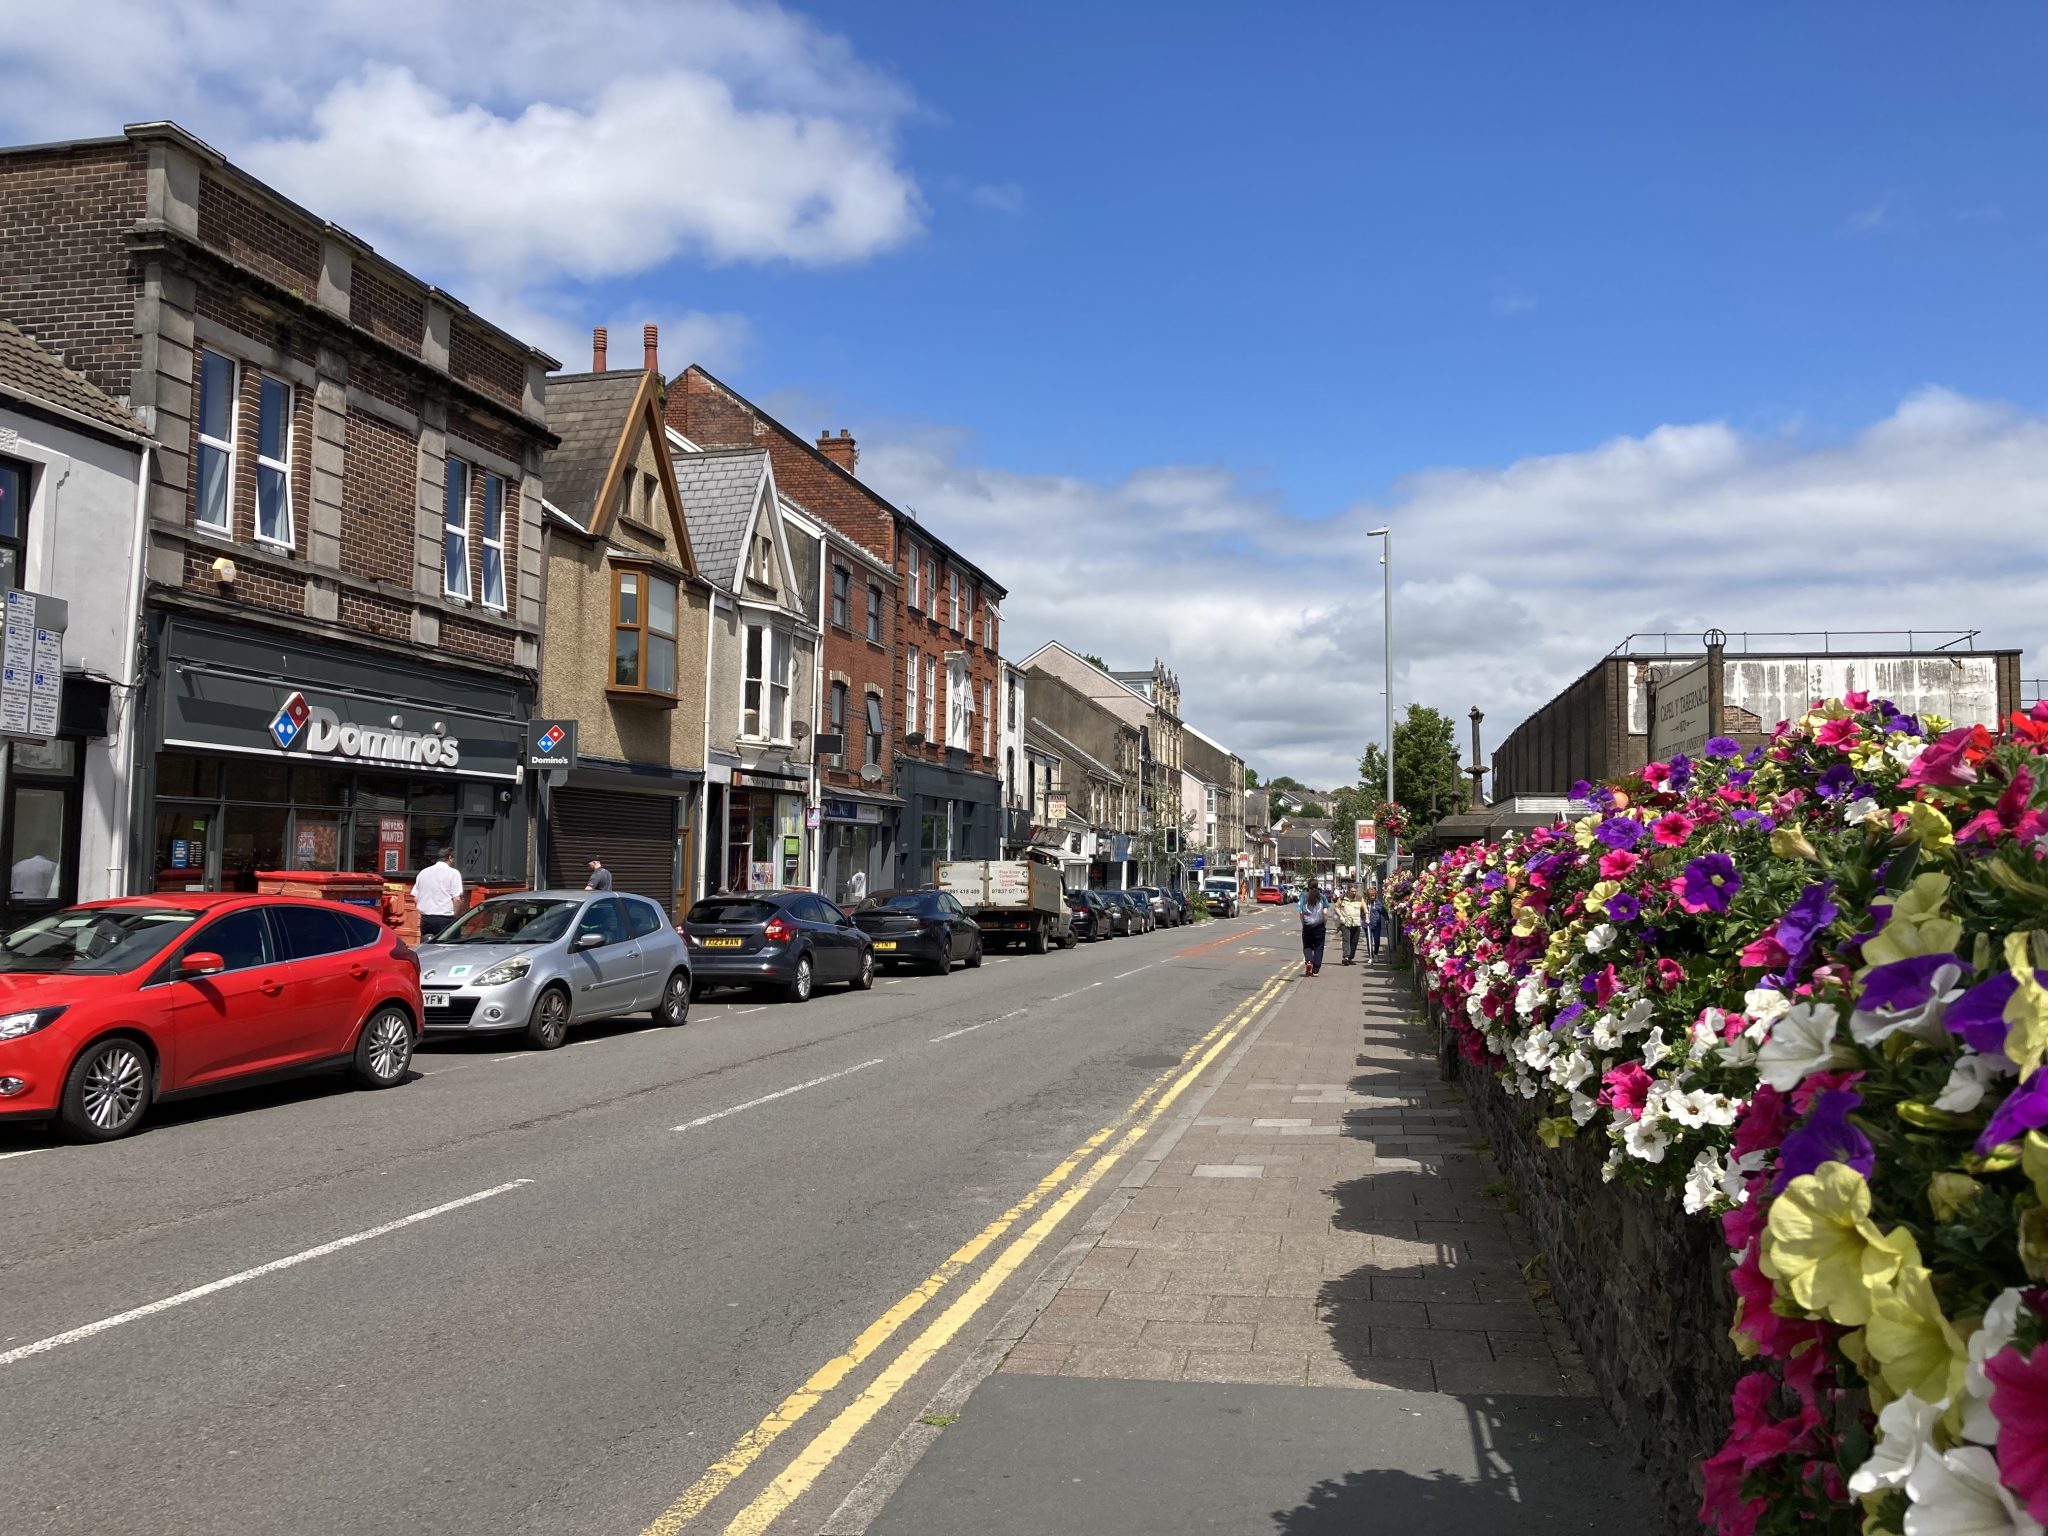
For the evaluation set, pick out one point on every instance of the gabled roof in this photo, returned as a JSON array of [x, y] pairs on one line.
[[721, 488], [590, 411], [34, 377]]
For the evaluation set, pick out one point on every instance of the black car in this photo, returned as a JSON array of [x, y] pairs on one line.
[[1089, 914], [1139, 906], [790, 940], [1221, 896], [1179, 898], [922, 927], [1115, 914]]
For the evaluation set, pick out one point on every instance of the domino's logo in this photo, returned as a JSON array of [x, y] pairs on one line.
[[289, 723], [551, 738]]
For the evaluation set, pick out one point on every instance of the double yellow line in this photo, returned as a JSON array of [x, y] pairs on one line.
[[797, 1478]]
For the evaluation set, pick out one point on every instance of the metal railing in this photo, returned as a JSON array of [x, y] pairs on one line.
[[1742, 642]]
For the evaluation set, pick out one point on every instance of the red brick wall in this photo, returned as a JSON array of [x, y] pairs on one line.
[[862, 664], [377, 499], [385, 311], [242, 501], [257, 588], [465, 638], [484, 365], [64, 269], [384, 383], [241, 228], [384, 616]]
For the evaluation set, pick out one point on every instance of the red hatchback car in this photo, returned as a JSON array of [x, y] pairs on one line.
[[109, 1006]]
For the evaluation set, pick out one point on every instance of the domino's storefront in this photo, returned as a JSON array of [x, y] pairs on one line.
[[276, 753]]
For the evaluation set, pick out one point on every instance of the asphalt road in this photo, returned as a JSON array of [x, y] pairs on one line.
[[666, 1232]]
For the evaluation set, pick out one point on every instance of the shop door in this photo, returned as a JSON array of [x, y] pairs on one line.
[[633, 835], [187, 848]]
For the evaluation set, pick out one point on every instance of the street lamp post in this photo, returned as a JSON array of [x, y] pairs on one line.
[[1386, 538]]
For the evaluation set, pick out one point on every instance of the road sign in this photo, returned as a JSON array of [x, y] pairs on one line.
[[551, 749], [1368, 840], [32, 666]]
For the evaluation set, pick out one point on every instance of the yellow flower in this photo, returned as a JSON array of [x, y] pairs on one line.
[[1858, 1351], [1555, 1130], [1934, 725], [1822, 1249], [2034, 1163], [1791, 843], [1916, 926], [1582, 830], [1926, 825], [1913, 1343], [1950, 1194], [2026, 1011], [1596, 898]]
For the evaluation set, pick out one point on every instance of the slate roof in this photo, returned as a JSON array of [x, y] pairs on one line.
[[589, 411], [719, 488], [30, 374]]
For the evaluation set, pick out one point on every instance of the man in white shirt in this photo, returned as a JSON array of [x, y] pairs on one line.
[[857, 888], [33, 877], [435, 893]]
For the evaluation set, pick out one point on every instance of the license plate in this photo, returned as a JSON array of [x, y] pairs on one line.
[[439, 999], [885, 943], [721, 943]]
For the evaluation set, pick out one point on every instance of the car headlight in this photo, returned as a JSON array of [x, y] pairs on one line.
[[504, 971], [15, 1025]]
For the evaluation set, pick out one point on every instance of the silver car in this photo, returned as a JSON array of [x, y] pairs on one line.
[[540, 961]]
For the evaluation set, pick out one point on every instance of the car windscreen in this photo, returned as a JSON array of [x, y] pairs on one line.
[[899, 901], [727, 909], [94, 941], [512, 920]]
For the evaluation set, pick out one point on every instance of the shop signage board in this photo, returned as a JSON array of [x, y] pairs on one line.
[[1680, 724], [32, 667], [1368, 840], [390, 845], [814, 817], [551, 748]]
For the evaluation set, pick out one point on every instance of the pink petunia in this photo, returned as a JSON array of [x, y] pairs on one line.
[[1627, 1088], [1764, 952], [1843, 733], [1618, 863], [1669, 972], [2019, 1400], [1760, 1125], [1857, 699], [1672, 831], [1605, 985], [1943, 762]]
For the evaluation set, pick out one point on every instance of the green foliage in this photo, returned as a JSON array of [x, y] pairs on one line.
[[1251, 778], [1428, 778], [1095, 661]]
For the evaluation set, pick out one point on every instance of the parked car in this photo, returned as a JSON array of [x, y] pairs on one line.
[[1163, 911], [792, 941], [541, 961], [1143, 919], [1088, 915], [1221, 895], [921, 927], [1181, 903], [1121, 919], [1272, 895], [110, 1006]]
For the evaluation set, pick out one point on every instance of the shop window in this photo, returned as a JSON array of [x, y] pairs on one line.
[[251, 841], [318, 786], [433, 799], [274, 462], [256, 778], [835, 720], [871, 749], [426, 836], [643, 633], [14, 484], [317, 839], [842, 590], [494, 542], [42, 827], [380, 792], [213, 505], [479, 800], [455, 531], [875, 612]]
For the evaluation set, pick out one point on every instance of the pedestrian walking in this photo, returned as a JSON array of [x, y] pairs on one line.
[[1350, 915], [1315, 915], [1375, 926], [600, 877], [435, 892], [857, 888]]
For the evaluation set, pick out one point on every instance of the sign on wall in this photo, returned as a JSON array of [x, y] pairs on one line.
[[1680, 723], [32, 668]]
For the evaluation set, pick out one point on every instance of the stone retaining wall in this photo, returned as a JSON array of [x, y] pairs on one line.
[[1642, 1286]]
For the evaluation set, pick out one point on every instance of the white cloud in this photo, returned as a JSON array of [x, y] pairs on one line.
[[1509, 581], [998, 197]]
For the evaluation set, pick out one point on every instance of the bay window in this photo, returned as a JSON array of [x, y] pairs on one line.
[[643, 633]]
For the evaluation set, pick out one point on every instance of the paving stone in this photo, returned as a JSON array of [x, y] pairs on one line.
[[1091, 1330], [1219, 1336], [1244, 1366], [1073, 1303], [1525, 1377], [1376, 1375], [1424, 1344], [1149, 1307], [1488, 1317], [1126, 1363], [1230, 1171]]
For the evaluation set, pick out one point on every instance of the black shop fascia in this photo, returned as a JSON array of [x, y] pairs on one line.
[[275, 753]]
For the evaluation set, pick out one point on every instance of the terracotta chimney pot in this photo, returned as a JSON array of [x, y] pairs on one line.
[[597, 343], [650, 337]]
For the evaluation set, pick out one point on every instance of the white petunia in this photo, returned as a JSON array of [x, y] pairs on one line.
[[1601, 939], [1654, 1048], [1902, 749], [1606, 1032], [2001, 1322], [1735, 1182], [1638, 1016], [1860, 810], [1763, 1004], [1922, 1022], [1537, 1049], [1958, 1493], [1578, 1067], [1969, 1079], [1905, 1433], [1584, 1106], [1736, 1053], [1703, 1183], [1646, 1139], [1801, 1043], [1529, 995]]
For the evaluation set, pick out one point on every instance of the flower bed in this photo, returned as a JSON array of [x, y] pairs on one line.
[[1805, 991]]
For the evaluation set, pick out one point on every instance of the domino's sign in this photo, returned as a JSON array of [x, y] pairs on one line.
[[326, 733], [550, 744]]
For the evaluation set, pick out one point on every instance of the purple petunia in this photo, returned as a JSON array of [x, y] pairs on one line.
[[1804, 922], [1826, 1136], [1623, 908], [1756, 820], [1493, 880], [2025, 1109], [1723, 746], [1567, 1015], [1979, 1014], [1708, 883], [1619, 832], [1905, 994], [1836, 782], [1681, 771]]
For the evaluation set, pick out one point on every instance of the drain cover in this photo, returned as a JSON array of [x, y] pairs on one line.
[[1152, 1061]]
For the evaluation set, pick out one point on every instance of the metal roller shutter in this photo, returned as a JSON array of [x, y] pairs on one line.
[[634, 835]]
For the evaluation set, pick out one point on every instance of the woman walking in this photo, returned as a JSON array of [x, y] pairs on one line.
[[1315, 913], [1350, 914], [1375, 927]]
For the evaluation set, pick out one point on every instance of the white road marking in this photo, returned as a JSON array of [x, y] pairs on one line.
[[73, 1335], [738, 1011], [30, 1152], [1122, 974], [780, 1093], [895, 981], [1014, 1013]]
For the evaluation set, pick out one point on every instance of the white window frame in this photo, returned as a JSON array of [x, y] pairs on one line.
[[841, 596], [916, 579], [872, 727], [959, 702], [838, 695], [226, 448], [781, 668], [988, 711], [767, 649], [910, 693], [496, 603], [992, 618], [931, 695], [953, 599], [871, 624], [282, 468], [448, 588]]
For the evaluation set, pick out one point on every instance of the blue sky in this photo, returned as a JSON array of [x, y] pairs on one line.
[[1624, 317]]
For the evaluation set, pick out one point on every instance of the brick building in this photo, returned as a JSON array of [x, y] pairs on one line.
[[341, 616], [945, 668]]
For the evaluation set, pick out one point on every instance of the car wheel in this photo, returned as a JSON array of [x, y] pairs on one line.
[[674, 1008], [1037, 944], [866, 978], [942, 962], [974, 954], [384, 1049], [799, 988], [549, 1026], [108, 1091]]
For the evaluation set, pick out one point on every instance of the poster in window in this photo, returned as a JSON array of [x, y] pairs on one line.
[[390, 844], [317, 845]]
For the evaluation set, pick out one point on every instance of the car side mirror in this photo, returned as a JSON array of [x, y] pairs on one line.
[[201, 962], [588, 941]]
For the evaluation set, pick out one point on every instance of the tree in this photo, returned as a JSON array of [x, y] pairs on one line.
[[1251, 778], [1429, 781], [1095, 661]]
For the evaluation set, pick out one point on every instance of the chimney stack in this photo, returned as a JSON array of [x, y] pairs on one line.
[[840, 449], [597, 341], [650, 338]]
